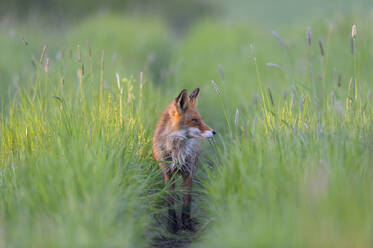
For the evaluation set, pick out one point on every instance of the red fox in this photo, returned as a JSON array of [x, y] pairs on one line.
[[176, 148]]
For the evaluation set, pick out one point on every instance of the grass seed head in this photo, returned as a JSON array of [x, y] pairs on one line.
[[118, 80], [270, 97], [33, 63], [321, 48], [352, 38], [352, 45], [339, 80], [42, 55], [273, 65], [309, 36], [351, 85], [141, 79], [236, 117], [353, 32], [275, 34], [216, 87]]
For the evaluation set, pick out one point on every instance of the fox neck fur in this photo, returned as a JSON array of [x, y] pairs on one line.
[[178, 150]]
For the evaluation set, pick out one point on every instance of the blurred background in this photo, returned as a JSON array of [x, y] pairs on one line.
[[175, 42], [179, 13]]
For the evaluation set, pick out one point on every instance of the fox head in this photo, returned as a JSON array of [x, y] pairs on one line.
[[185, 118]]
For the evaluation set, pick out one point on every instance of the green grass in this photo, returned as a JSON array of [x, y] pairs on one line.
[[293, 169], [75, 170]]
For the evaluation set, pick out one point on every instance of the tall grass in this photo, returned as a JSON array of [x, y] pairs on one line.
[[290, 165], [297, 174], [76, 171]]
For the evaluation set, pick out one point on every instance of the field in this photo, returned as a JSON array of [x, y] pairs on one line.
[[291, 165]]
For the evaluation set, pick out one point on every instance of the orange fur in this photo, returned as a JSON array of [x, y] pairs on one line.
[[176, 147]]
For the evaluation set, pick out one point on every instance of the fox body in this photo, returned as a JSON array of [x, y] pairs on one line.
[[176, 147]]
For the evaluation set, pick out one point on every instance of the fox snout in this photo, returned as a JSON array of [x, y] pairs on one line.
[[194, 132], [207, 132]]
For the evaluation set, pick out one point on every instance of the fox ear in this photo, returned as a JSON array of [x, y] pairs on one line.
[[194, 96], [181, 101]]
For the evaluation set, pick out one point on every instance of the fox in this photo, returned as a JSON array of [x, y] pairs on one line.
[[176, 149]]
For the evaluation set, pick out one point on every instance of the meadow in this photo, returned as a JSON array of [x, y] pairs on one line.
[[291, 165]]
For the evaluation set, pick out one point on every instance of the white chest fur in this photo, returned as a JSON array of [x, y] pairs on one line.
[[183, 152]]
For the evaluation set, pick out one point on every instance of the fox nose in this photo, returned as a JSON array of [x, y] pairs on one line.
[[213, 132]]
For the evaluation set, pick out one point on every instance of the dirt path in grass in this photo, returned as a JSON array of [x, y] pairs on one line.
[[157, 232], [161, 237]]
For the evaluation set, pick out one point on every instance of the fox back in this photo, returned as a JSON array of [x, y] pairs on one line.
[[176, 141]]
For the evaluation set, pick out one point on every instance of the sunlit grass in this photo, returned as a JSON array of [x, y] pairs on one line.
[[297, 172], [75, 162], [291, 162]]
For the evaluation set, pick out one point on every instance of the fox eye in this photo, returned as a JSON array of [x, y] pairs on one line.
[[195, 121]]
